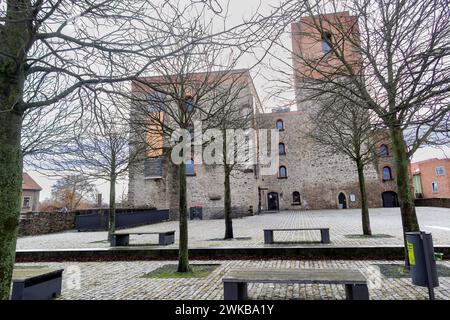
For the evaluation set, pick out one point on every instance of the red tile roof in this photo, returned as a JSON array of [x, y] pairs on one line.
[[29, 184]]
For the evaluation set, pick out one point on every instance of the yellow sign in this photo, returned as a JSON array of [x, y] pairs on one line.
[[412, 260]]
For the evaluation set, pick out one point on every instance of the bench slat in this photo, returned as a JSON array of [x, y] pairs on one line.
[[294, 229], [305, 276], [155, 232]]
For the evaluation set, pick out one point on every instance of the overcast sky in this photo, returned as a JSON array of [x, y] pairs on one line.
[[237, 10]]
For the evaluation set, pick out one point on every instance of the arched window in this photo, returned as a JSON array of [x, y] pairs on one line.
[[387, 174], [282, 172], [190, 169], [281, 148], [296, 197], [326, 43], [384, 150], [280, 124]]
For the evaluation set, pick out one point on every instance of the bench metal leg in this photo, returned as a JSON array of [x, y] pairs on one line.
[[357, 292], [120, 240], [268, 236], [235, 290], [325, 235], [166, 238]]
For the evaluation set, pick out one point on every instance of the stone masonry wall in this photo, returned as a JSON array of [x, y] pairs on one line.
[[318, 175], [34, 223]]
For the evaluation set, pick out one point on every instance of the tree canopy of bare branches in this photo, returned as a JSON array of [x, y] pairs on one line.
[[343, 128], [389, 57]]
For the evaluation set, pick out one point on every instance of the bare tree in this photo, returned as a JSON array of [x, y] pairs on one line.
[[44, 129], [97, 147], [181, 94], [343, 128], [389, 57], [235, 114]]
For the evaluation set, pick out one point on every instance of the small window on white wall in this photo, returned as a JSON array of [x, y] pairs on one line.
[[434, 186], [440, 171], [26, 202]]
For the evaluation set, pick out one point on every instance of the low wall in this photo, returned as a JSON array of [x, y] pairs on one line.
[[124, 219], [34, 223], [433, 202]]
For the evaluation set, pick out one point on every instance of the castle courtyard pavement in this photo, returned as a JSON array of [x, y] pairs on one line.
[[343, 224], [124, 280]]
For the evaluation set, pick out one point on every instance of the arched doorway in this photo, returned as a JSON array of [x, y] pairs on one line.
[[342, 200], [390, 199], [272, 201]]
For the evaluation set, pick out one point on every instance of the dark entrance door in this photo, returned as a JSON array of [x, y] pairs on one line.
[[342, 200], [389, 199], [196, 213], [272, 201]]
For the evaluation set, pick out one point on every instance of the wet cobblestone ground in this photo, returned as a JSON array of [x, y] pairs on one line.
[[124, 280], [204, 233]]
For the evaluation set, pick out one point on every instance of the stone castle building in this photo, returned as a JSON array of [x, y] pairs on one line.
[[308, 176]]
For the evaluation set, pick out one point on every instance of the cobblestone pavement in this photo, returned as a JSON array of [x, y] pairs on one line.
[[123, 280], [207, 233]]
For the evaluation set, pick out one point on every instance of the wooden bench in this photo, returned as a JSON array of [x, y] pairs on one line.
[[324, 233], [235, 281], [36, 283], [123, 238]]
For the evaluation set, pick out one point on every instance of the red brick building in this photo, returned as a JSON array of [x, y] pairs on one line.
[[431, 178]]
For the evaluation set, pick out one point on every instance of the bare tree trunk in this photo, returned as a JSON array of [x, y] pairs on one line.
[[227, 204], [183, 254], [227, 190], [10, 194], [112, 207], [364, 207], [407, 208], [13, 36]]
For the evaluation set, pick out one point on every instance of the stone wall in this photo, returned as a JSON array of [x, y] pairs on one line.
[[316, 173], [35, 223], [205, 190], [433, 202]]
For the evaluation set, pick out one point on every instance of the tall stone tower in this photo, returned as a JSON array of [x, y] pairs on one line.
[[323, 177]]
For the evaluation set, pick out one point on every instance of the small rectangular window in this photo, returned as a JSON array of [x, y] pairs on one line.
[[434, 187], [153, 168], [26, 202], [440, 171]]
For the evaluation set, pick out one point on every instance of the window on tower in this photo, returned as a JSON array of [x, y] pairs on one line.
[[280, 125], [281, 148], [326, 43], [282, 172]]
